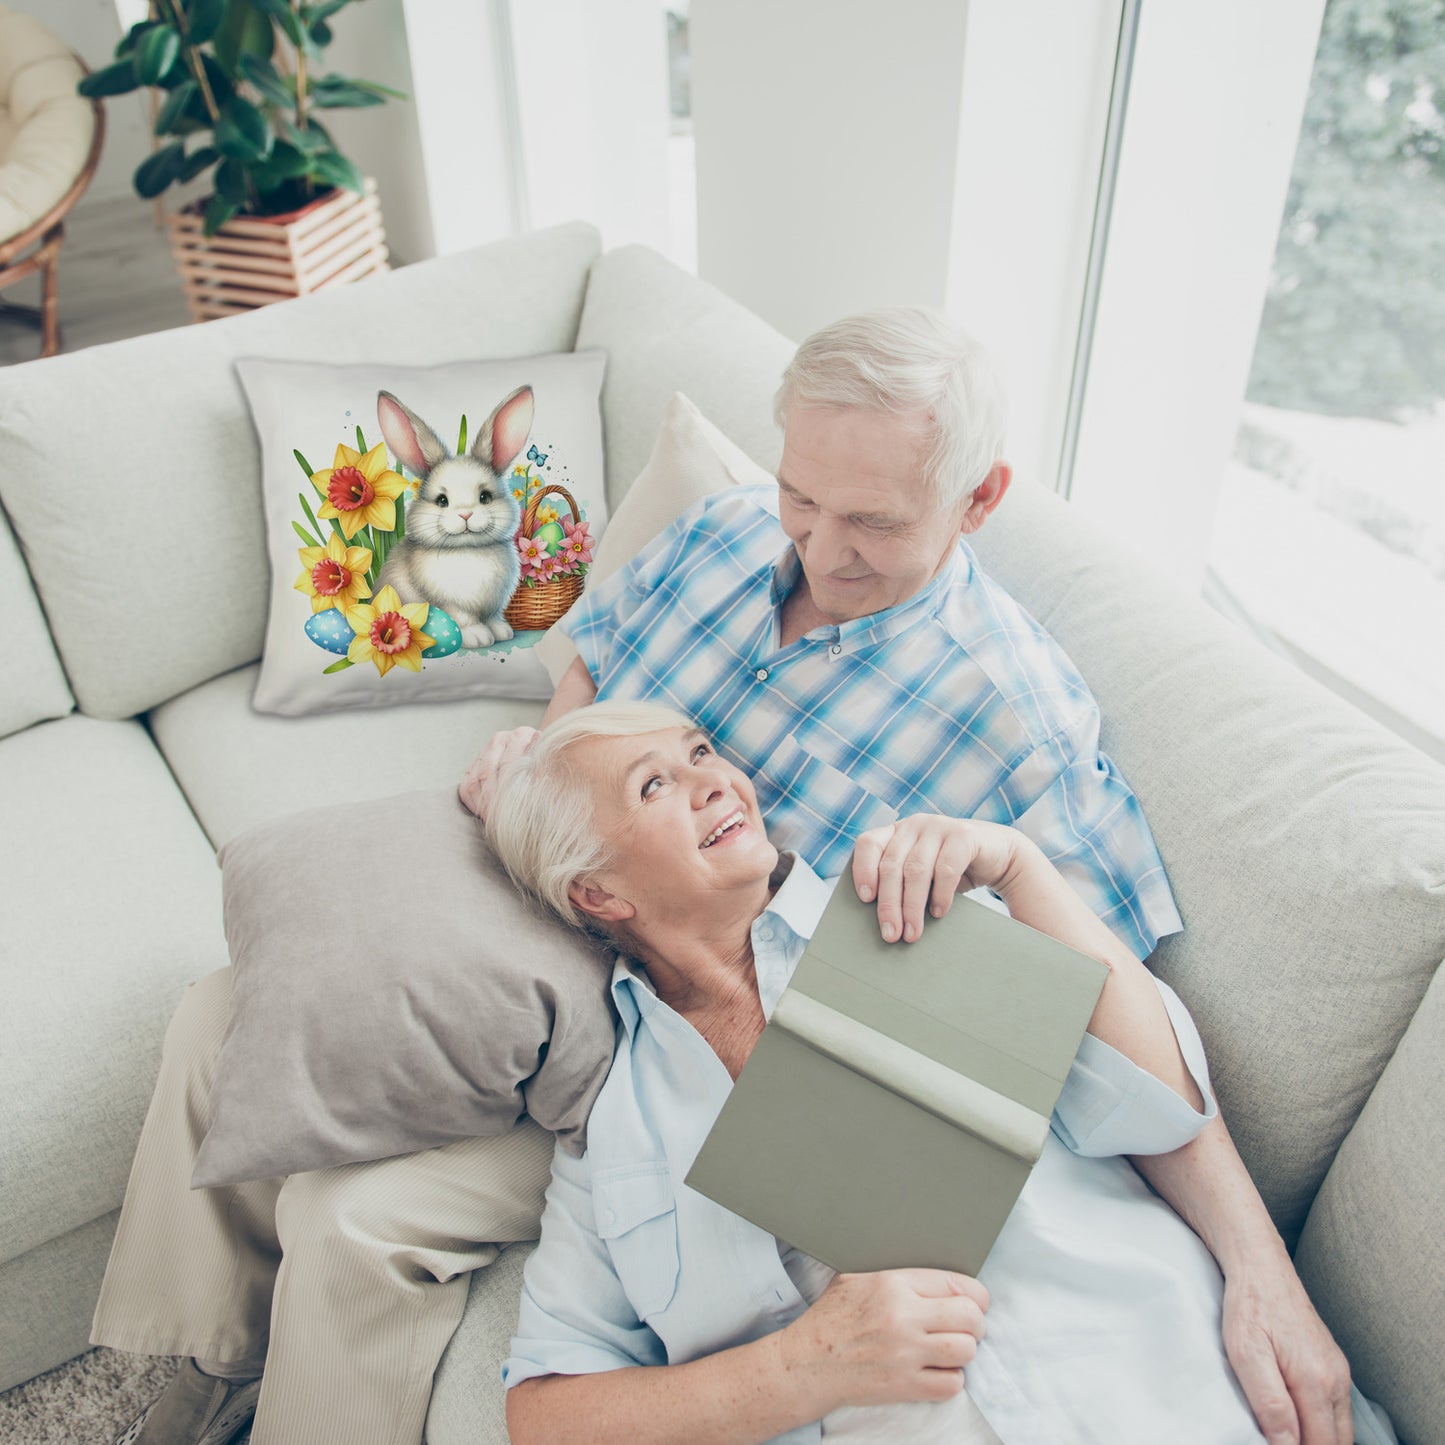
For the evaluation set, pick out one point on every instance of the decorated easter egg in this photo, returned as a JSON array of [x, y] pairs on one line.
[[445, 634], [550, 536], [330, 630]]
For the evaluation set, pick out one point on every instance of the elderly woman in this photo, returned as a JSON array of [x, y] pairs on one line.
[[654, 1314]]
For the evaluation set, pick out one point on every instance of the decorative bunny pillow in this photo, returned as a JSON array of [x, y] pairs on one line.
[[425, 525]]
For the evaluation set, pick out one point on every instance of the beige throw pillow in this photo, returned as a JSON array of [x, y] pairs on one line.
[[691, 459], [393, 992]]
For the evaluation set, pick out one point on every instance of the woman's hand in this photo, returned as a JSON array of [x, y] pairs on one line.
[[918, 864], [899, 1334], [475, 788]]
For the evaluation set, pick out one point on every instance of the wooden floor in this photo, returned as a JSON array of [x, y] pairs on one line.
[[117, 279]]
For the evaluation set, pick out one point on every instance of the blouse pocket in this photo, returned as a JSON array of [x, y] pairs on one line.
[[637, 1217]]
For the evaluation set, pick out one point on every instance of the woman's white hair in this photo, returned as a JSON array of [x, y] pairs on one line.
[[908, 360], [542, 823]]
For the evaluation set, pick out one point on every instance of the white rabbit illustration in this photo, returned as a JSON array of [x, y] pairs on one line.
[[458, 552]]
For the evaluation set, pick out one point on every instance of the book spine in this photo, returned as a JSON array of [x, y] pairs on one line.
[[924, 1082]]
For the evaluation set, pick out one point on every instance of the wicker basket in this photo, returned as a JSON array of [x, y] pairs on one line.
[[537, 607]]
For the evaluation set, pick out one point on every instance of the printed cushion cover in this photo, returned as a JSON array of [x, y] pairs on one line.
[[425, 525]]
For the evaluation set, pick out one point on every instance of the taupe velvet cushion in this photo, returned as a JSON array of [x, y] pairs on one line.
[[393, 993]]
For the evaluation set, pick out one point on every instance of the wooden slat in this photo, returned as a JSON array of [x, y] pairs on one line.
[[304, 247], [317, 268], [211, 278], [195, 257]]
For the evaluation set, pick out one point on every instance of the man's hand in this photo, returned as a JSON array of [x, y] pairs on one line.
[[475, 788], [1295, 1377]]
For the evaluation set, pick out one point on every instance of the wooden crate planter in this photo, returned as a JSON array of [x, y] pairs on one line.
[[255, 260]]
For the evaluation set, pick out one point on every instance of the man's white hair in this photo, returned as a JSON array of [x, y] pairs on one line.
[[542, 822], [908, 360]]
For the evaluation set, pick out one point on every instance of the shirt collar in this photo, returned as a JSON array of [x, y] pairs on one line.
[[779, 933], [879, 626]]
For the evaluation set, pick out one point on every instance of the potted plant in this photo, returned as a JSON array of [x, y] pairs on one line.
[[239, 85]]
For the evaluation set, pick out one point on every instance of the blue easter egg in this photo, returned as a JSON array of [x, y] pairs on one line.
[[330, 630], [445, 634]]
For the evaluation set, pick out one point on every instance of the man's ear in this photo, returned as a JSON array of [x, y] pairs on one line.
[[596, 902], [986, 496]]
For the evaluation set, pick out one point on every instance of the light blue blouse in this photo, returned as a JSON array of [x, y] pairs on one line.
[[1105, 1316]]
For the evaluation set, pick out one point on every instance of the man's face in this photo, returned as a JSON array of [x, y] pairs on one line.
[[852, 499]]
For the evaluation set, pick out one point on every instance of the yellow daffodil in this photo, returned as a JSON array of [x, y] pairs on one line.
[[388, 633], [520, 471], [335, 575], [546, 514], [359, 491]]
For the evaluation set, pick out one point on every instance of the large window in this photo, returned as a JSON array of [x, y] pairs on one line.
[[1330, 528]]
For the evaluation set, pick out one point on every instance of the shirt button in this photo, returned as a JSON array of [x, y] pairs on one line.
[[836, 648], [761, 674]]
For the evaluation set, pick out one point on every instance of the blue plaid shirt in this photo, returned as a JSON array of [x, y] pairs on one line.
[[954, 702]]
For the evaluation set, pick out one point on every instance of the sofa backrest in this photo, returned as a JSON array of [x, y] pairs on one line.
[[131, 472], [1302, 840], [35, 688]]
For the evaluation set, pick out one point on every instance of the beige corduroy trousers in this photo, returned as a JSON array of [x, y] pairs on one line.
[[350, 1281]]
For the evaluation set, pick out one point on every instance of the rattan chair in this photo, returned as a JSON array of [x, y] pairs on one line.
[[50, 139]]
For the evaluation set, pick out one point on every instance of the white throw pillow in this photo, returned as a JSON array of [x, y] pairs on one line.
[[691, 459]]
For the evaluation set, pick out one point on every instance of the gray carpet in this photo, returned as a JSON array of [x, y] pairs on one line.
[[86, 1402]]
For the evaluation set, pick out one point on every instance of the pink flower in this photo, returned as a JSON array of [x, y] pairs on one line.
[[535, 561], [577, 544]]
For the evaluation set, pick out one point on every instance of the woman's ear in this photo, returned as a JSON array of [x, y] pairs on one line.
[[596, 902]]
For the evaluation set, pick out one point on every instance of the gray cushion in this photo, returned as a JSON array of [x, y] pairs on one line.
[[468, 1403], [150, 441], [1373, 1250], [239, 768], [664, 331], [110, 906], [1302, 841], [392, 993], [35, 687]]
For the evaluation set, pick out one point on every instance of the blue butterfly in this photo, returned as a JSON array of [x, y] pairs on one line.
[[533, 455]]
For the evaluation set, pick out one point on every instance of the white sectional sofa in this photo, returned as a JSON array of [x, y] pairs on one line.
[[1306, 846]]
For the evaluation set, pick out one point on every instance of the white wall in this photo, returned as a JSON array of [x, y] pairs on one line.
[[827, 137]]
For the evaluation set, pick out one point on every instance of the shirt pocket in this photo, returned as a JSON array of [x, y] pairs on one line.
[[636, 1211], [815, 808]]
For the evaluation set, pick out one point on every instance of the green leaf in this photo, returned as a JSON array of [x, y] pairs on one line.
[[313, 140], [305, 535], [322, 11], [285, 163], [203, 19], [131, 38], [157, 171], [218, 213], [175, 105], [462, 436], [306, 507], [278, 89], [381, 89], [336, 527], [117, 79], [333, 92], [242, 132], [157, 52], [333, 168], [400, 513], [360, 442], [198, 161], [231, 182], [340, 665], [319, 35], [222, 86], [305, 465], [244, 31]]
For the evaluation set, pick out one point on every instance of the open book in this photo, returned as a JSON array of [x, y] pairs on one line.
[[900, 1094]]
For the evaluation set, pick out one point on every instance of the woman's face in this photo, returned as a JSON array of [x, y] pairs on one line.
[[681, 823]]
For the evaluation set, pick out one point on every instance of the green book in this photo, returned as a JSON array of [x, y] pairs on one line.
[[900, 1094]]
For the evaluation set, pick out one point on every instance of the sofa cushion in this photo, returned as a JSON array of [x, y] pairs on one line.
[[664, 331], [1372, 1254], [240, 768], [149, 441], [111, 905], [1301, 840], [35, 687]]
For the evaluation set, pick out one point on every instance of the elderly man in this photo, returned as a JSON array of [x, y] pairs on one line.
[[838, 640]]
